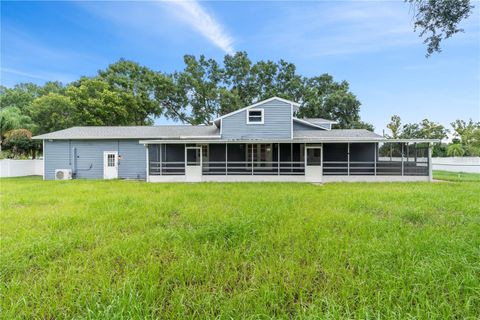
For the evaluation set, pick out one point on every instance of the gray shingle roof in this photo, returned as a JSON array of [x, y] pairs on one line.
[[318, 120], [337, 134], [187, 131], [134, 132]]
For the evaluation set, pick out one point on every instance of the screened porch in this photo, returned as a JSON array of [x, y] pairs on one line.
[[288, 159]]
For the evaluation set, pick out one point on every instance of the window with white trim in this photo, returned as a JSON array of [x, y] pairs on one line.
[[255, 116]]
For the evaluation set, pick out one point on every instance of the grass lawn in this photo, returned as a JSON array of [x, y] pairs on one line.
[[456, 176], [125, 249]]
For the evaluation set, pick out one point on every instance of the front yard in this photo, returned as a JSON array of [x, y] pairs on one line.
[[113, 249]]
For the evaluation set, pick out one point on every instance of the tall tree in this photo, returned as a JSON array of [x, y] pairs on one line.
[[395, 126], [239, 79], [438, 20], [325, 98], [132, 79], [97, 104], [426, 129], [432, 130], [200, 81], [22, 95], [469, 135], [53, 112]]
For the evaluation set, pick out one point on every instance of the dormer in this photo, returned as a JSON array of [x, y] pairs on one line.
[[268, 119]]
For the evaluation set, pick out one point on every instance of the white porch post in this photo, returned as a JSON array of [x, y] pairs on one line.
[[44, 162], [348, 159], [278, 158], [147, 177], [403, 169], [252, 156], [415, 146], [160, 153], [430, 175], [375, 159], [226, 159]]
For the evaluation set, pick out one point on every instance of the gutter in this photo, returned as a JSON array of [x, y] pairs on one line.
[[126, 138]]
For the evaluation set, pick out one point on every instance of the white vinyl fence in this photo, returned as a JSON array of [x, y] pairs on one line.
[[20, 168], [457, 164]]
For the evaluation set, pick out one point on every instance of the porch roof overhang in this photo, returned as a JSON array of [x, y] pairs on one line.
[[414, 140], [295, 140]]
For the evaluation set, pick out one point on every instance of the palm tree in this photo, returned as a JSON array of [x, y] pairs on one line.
[[455, 150], [12, 118]]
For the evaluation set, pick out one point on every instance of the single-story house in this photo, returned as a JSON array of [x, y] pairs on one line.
[[261, 142]]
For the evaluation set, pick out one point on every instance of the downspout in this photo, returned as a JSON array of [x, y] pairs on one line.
[[74, 162]]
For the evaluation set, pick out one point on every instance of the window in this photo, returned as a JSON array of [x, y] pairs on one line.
[[255, 116], [111, 160]]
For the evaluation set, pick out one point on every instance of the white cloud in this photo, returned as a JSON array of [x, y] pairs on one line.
[[342, 29], [164, 19], [314, 30], [193, 14]]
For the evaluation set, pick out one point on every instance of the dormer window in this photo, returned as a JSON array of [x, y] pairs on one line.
[[255, 116]]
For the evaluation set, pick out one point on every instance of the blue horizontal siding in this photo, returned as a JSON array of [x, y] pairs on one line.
[[56, 156], [277, 123], [59, 154]]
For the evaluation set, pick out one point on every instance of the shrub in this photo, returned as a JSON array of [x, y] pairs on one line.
[[20, 142]]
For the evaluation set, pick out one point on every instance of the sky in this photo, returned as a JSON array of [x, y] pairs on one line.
[[371, 44]]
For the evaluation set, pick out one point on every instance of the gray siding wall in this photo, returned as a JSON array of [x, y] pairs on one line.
[[59, 154], [277, 123]]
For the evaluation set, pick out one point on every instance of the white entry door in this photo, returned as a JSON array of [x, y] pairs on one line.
[[110, 165], [313, 164], [193, 164]]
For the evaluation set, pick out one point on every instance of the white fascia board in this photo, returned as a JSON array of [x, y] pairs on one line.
[[133, 138], [413, 140], [295, 140], [200, 137], [256, 105]]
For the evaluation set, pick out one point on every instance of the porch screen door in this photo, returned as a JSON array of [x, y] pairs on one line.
[[313, 164], [193, 164]]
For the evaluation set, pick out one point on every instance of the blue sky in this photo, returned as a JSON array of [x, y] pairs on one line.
[[370, 44]]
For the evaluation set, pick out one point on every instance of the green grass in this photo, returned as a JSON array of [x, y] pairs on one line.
[[456, 176], [124, 249]]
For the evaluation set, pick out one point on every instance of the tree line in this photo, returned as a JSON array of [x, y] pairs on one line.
[[127, 93], [465, 135]]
